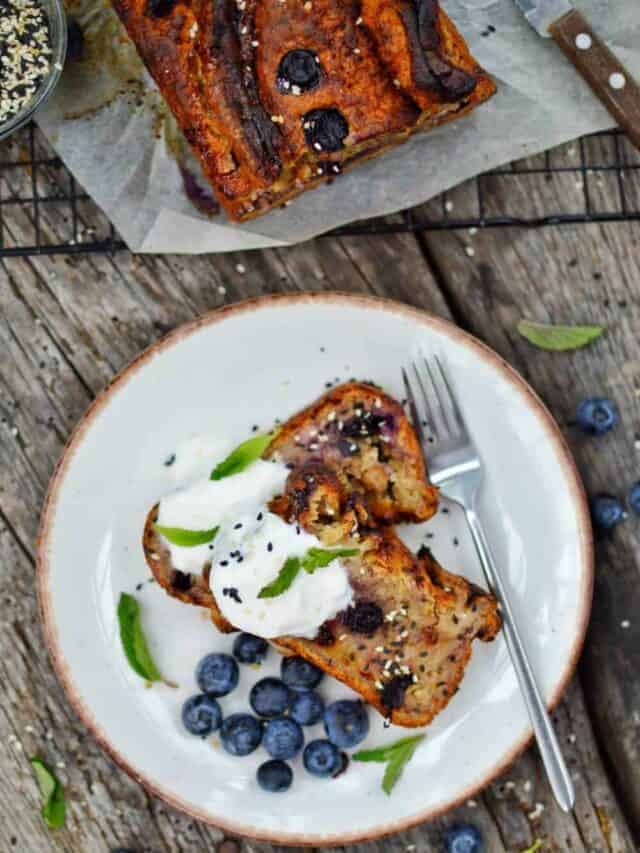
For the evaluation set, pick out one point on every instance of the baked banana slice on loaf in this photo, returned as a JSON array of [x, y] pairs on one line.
[[365, 437], [404, 641]]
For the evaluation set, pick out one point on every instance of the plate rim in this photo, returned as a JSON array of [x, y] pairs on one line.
[[184, 330]]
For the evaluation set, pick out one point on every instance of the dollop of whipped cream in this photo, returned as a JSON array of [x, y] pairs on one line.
[[248, 555], [250, 548]]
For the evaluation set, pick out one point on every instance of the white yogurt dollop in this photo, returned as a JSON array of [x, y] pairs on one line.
[[248, 555], [250, 548], [211, 503]]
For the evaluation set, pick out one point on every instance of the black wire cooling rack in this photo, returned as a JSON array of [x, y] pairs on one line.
[[44, 211]]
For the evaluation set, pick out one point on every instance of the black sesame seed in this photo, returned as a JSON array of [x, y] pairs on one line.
[[224, 562], [237, 526], [255, 428], [270, 546], [259, 516], [170, 460], [456, 542]]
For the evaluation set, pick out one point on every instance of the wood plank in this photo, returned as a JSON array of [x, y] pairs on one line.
[[94, 314], [576, 275]]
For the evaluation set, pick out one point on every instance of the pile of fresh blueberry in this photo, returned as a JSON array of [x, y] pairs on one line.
[[282, 706], [597, 416]]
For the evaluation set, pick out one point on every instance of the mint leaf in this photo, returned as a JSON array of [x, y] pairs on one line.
[[133, 640], [187, 538], [53, 806], [558, 338], [318, 558], [395, 756], [242, 456], [315, 558], [537, 844], [286, 577]]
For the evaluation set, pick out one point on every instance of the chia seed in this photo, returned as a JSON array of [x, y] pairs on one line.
[[25, 50]]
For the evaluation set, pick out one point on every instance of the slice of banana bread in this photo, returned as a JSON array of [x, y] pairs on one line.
[[365, 437], [404, 642]]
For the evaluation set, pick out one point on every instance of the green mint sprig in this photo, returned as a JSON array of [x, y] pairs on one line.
[[242, 456], [54, 807], [134, 643], [187, 538], [558, 338], [395, 756], [315, 558]]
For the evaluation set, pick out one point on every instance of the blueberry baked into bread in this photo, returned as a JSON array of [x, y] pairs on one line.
[[277, 96], [405, 637]]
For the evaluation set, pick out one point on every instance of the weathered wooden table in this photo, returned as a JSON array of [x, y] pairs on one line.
[[67, 324]]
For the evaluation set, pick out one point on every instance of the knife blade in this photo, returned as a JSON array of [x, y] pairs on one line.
[[542, 13], [602, 70]]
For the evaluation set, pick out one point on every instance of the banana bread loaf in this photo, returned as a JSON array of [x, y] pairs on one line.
[[277, 96]]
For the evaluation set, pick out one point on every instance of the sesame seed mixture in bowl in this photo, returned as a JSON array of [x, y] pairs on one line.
[[33, 43]]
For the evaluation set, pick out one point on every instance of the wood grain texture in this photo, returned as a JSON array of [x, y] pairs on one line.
[[67, 324], [602, 70]]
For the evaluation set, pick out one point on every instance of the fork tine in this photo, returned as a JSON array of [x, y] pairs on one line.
[[426, 402], [415, 416], [435, 400], [457, 416]]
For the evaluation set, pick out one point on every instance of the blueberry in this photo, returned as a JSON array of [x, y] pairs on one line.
[[606, 511], [283, 738], [325, 129], [159, 8], [597, 415], [217, 674], [299, 68], [307, 708], [322, 758], [275, 776], [270, 697], [299, 674], [346, 723], [463, 838], [241, 734], [634, 497], [250, 649], [201, 715]]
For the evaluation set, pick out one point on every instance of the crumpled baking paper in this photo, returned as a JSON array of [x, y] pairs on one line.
[[110, 125]]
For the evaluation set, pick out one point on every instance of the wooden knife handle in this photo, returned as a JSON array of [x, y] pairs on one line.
[[608, 78]]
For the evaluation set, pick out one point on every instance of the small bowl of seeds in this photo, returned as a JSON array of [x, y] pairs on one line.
[[33, 45]]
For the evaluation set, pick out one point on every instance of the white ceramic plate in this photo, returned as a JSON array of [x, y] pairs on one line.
[[249, 364]]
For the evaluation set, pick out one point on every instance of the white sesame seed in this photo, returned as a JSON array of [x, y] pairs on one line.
[[625, 624], [378, 685], [448, 206], [222, 289], [470, 251], [241, 269], [572, 738], [358, 21]]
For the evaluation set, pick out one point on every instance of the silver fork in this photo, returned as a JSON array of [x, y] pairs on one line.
[[455, 466]]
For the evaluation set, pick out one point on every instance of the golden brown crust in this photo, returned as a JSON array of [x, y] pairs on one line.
[[192, 589], [365, 437], [216, 63], [404, 643]]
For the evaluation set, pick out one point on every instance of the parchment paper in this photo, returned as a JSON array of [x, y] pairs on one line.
[[126, 152]]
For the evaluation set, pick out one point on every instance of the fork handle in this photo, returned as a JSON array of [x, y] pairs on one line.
[[552, 758]]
